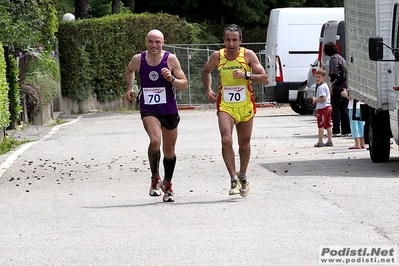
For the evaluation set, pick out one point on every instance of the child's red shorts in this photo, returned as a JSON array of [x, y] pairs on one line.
[[324, 117]]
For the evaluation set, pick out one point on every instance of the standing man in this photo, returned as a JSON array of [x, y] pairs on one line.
[[160, 75], [238, 67]]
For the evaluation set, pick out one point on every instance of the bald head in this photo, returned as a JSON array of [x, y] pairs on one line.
[[156, 34], [154, 42]]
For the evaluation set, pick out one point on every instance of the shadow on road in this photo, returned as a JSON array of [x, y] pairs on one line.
[[163, 203], [351, 168]]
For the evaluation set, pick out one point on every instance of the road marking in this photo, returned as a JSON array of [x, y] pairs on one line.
[[13, 157]]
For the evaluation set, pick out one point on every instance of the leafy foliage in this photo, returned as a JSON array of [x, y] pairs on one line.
[[247, 14], [25, 24], [43, 64], [32, 99], [40, 85], [250, 12], [4, 102], [14, 93], [65, 6], [8, 144], [100, 8]]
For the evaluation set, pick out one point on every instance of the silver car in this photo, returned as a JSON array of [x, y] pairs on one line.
[[310, 91]]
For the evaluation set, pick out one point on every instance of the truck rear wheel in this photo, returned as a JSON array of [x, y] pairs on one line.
[[296, 107], [379, 136], [307, 105], [302, 106]]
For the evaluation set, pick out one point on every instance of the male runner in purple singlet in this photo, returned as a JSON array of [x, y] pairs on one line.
[[160, 75]]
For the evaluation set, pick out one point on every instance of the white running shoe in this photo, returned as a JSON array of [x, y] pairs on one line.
[[155, 189]]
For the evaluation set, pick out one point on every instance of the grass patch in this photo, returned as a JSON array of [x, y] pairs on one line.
[[58, 121], [7, 144], [124, 109]]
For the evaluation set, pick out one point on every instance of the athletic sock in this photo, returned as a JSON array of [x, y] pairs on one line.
[[154, 158], [169, 166], [241, 176]]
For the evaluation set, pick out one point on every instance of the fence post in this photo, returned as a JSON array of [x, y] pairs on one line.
[[188, 70], [264, 66]]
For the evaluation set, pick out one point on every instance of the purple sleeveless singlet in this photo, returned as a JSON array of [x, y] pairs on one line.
[[157, 95]]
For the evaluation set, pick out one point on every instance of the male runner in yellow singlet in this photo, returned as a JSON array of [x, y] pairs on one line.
[[238, 67]]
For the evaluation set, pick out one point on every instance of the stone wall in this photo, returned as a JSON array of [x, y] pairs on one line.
[[69, 106]]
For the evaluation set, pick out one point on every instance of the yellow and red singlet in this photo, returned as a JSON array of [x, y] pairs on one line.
[[234, 92]]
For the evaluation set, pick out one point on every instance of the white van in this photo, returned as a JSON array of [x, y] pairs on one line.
[[291, 46]]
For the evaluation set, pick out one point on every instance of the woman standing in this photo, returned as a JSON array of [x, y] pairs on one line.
[[340, 116]]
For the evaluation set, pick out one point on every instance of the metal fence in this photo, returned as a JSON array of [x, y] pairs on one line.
[[192, 58]]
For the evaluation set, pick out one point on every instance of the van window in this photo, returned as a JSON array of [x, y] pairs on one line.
[[395, 32]]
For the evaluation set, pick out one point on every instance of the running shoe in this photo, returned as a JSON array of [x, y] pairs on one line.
[[169, 195], [155, 189], [235, 187], [244, 191]]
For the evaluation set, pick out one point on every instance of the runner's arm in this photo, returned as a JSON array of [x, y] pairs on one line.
[[259, 74], [207, 78], [176, 75], [131, 68]]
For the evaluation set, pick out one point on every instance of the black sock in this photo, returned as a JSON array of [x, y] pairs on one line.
[[169, 166], [154, 158]]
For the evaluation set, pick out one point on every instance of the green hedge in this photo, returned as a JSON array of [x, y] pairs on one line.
[[4, 101], [25, 24], [94, 53], [14, 93]]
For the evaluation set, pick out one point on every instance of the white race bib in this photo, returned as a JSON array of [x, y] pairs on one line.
[[154, 96], [234, 94]]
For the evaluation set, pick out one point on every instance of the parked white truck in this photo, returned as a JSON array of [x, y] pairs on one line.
[[372, 53]]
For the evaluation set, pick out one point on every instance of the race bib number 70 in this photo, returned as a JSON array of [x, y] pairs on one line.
[[234, 93], [154, 95]]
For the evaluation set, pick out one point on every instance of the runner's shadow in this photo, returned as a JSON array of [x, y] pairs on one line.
[[163, 203]]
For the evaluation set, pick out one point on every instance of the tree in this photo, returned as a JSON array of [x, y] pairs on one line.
[[250, 12], [4, 101], [82, 9], [130, 4], [116, 6], [323, 3]]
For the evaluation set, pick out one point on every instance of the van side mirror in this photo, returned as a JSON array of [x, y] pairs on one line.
[[376, 48]]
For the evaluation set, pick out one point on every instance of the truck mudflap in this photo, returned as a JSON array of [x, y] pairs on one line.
[[377, 133]]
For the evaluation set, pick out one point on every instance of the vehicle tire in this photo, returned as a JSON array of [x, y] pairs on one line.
[[306, 105], [297, 108], [379, 136]]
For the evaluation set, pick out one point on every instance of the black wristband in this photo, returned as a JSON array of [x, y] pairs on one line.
[[173, 79]]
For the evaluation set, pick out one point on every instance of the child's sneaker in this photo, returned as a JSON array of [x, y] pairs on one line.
[[319, 144], [169, 195], [155, 189], [328, 144]]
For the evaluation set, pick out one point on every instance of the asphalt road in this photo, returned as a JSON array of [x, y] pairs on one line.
[[78, 195]]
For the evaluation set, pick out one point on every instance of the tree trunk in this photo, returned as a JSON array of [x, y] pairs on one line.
[[130, 4], [82, 9], [116, 6]]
